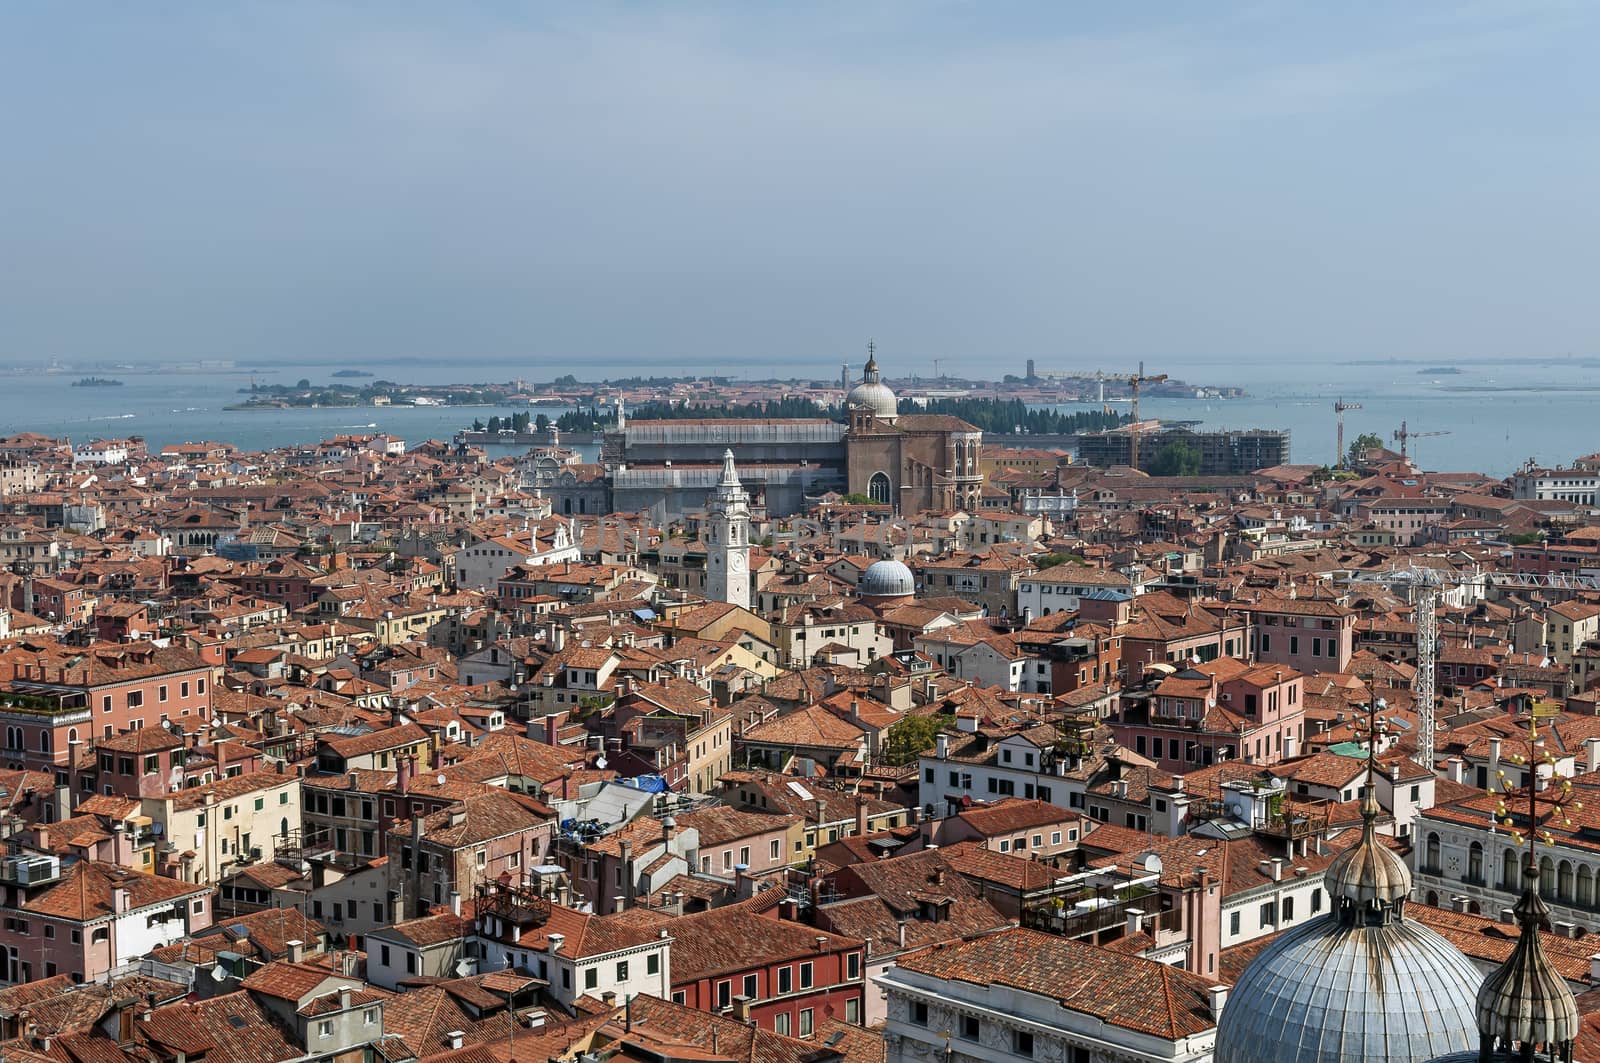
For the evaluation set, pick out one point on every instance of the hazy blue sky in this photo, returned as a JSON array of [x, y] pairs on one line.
[[973, 181]]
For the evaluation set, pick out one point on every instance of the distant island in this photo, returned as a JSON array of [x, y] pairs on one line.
[[352, 373], [97, 382], [1443, 370]]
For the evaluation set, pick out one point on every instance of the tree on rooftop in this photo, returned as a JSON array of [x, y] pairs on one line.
[[1364, 442], [1177, 458], [912, 737], [1044, 561]]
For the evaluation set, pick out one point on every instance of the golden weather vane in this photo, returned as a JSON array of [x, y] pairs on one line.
[[1559, 788]]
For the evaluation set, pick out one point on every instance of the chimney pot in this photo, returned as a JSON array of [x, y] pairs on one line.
[[1218, 996]]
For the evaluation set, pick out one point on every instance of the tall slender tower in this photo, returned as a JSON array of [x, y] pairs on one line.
[[728, 539]]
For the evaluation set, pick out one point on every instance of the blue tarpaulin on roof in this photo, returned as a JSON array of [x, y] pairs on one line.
[[650, 784]]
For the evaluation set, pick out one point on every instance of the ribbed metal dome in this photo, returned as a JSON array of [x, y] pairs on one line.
[[887, 579], [1328, 993]]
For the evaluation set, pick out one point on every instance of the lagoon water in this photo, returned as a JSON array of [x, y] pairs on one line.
[[1498, 415]]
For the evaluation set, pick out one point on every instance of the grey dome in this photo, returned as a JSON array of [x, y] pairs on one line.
[[1326, 992], [877, 396], [872, 394], [887, 579]]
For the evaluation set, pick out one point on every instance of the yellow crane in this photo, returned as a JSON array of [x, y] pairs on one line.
[[1133, 429], [1134, 382]]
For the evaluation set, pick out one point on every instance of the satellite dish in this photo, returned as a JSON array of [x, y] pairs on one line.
[[218, 974], [441, 780], [600, 763], [1211, 701]]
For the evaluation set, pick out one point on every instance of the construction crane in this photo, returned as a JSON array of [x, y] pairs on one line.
[[1404, 435], [1133, 430], [1134, 381], [1339, 408], [1426, 585]]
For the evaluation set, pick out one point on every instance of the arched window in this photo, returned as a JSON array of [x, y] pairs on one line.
[[44, 741], [878, 488], [1431, 861], [283, 827], [1584, 896], [72, 735], [1564, 882], [1510, 870], [1475, 863], [1547, 879]]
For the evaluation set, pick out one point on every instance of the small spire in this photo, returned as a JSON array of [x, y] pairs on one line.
[[730, 476], [1526, 1001], [1368, 882]]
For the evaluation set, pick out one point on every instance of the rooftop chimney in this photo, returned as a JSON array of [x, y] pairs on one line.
[[1218, 997], [555, 942], [294, 951]]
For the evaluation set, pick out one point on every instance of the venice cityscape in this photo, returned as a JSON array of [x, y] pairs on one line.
[[845, 534]]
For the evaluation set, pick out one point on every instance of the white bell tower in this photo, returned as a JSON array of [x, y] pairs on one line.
[[728, 539]]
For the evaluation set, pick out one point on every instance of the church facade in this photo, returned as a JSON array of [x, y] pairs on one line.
[[912, 461]]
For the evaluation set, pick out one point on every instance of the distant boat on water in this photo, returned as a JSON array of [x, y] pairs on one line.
[[97, 382]]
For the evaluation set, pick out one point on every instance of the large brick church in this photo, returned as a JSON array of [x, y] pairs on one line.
[[912, 461]]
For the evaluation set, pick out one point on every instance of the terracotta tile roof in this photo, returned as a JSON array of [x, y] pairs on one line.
[[975, 861], [1127, 991], [287, 981], [229, 788], [233, 1027], [86, 891], [812, 727], [720, 824], [735, 939], [492, 814], [1014, 814], [673, 1031]]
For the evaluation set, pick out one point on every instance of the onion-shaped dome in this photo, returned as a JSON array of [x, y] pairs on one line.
[[887, 579], [1526, 1001], [1368, 873], [872, 394]]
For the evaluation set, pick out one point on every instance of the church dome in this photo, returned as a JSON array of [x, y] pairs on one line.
[[1326, 993], [887, 579], [872, 394]]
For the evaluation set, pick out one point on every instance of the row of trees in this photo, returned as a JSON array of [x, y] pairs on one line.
[[517, 422], [1006, 416], [586, 420], [995, 416]]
